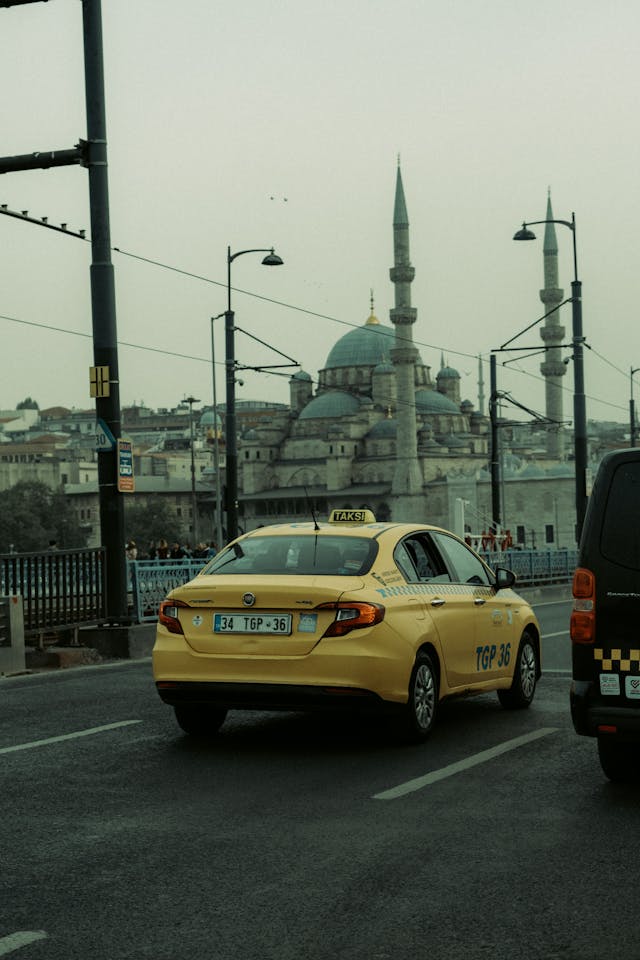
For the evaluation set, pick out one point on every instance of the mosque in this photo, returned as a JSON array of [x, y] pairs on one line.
[[380, 432]]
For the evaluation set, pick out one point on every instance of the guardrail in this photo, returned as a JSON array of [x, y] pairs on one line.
[[60, 589], [535, 567], [151, 580]]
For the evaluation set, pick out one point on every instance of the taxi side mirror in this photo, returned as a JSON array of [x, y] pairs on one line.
[[504, 578]]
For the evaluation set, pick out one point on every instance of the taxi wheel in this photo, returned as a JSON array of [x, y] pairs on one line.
[[422, 705], [525, 676], [620, 761], [199, 721]]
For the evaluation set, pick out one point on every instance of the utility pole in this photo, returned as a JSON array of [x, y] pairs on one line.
[[495, 451], [194, 504], [92, 153]]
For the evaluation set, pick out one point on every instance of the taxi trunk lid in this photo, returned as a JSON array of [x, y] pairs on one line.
[[283, 619]]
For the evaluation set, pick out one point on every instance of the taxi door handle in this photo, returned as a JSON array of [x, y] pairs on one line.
[[438, 602], [479, 601]]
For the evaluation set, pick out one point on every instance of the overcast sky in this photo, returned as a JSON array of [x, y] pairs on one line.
[[279, 124]]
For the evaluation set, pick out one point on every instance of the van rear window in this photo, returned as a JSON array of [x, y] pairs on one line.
[[620, 538]]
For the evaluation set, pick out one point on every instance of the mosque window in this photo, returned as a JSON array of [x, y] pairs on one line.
[[549, 534]]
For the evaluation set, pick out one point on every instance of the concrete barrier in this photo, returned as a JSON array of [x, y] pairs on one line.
[[12, 654]]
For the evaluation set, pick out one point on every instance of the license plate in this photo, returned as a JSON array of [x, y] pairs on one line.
[[278, 623]]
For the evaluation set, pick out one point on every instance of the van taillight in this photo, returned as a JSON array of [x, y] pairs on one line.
[[168, 615], [582, 627]]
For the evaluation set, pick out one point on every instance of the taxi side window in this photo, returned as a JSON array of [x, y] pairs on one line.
[[418, 561], [464, 565]]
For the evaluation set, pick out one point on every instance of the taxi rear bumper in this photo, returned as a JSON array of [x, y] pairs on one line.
[[267, 696]]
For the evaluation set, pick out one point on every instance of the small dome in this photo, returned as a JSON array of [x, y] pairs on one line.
[[301, 375], [450, 440], [332, 403], [431, 401], [383, 368], [447, 373], [383, 428], [207, 419], [250, 435]]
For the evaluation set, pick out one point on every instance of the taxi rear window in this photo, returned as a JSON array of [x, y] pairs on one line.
[[296, 555]]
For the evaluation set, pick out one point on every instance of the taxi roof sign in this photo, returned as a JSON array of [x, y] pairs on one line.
[[352, 516]]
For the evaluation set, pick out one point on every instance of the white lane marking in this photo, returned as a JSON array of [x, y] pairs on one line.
[[559, 633], [412, 785], [20, 939], [67, 736]]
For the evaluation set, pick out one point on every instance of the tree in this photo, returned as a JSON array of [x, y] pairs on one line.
[[150, 521], [27, 404], [32, 514]]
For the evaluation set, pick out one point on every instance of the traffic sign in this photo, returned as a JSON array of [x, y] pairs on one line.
[[105, 440], [99, 383]]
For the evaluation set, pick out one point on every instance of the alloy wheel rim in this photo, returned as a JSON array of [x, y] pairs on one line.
[[528, 670], [424, 696]]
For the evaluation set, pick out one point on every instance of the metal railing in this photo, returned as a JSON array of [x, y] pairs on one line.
[[60, 589], [151, 580], [535, 567]]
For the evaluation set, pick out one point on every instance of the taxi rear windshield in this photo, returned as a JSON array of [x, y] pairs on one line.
[[296, 555]]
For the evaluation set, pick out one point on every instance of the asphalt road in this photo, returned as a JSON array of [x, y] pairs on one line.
[[294, 837]]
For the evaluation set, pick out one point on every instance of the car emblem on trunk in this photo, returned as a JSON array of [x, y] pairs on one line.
[[248, 599]]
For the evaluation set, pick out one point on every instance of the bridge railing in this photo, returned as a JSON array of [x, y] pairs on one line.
[[60, 589], [64, 589], [535, 567]]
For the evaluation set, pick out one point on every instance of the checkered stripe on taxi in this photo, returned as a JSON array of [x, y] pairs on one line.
[[430, 587], [630, 663]]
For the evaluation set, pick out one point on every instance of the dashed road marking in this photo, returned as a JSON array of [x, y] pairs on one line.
[[31, 744], [20, 939], [412, 785]]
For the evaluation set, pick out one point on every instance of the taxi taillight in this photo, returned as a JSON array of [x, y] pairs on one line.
[[583, 616], [352, 616], [168, 615]]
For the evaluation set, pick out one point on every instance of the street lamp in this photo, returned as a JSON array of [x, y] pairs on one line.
[[231, 444], [579, 409], [194, 506]]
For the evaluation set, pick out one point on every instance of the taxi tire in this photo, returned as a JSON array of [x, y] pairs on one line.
[[199, 721], [525, 677], [620, 761], [419, 714]]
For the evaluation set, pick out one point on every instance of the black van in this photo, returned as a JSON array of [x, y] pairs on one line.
[[605, 622]]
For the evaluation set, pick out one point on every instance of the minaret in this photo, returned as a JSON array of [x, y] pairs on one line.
[[407, 477], [552, 333]]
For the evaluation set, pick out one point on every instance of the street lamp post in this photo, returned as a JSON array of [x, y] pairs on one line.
[[231, 444], [216, 449], [632, 408], [495, 450], [194, 506], [577, 342]]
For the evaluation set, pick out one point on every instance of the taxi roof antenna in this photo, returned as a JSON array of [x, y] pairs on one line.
[[311, 510]]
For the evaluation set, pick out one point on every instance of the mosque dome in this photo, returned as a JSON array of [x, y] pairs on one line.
[[301, 375], [250, 435], [431, 401], [366, 346], [208, 419], [332, 403], [447, 373], [383, 429]]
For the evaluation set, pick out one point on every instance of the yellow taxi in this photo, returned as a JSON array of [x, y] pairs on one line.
[[346, 614]]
